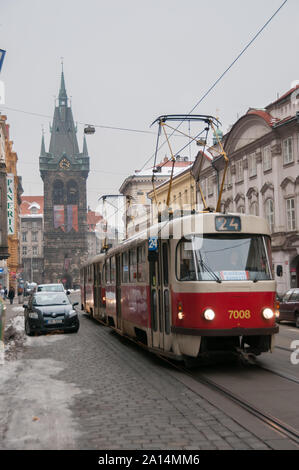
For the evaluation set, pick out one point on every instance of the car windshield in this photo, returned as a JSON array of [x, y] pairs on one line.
[[224, 258], [49, 288], [44, 299]]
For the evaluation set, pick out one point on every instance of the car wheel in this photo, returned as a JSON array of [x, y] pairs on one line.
[[27, 328]]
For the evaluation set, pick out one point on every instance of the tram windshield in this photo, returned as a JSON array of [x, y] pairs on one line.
[[222, 257]]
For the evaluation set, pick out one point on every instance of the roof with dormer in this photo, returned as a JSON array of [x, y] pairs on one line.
[[32, 202]]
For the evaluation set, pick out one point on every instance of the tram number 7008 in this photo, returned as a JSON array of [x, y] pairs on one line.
[[239, 314]]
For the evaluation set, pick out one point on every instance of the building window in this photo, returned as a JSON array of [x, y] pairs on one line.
[[34, 236], [24, 250], [228, 177], [210, 185], [254, 209], [288, 151], [267, 159], [58, 192], [290, 206], [239, 171], [269, 209], [35, 264], [24, 236], [186, 196], [72, 193], [252, 164], [35, 250]]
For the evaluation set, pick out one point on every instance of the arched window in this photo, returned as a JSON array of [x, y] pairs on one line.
[[269, 213], [254, 209], [72, 192], [58, 192]]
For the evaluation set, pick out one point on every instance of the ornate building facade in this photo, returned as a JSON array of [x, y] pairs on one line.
[[3, 198], [64, 171], [12, 200], [263, 178]]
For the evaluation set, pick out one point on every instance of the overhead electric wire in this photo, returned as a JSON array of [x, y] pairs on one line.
[[126, 129], [222, 75]]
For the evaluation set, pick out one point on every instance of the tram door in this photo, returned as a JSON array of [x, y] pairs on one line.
[[160, 298], [118, 292]]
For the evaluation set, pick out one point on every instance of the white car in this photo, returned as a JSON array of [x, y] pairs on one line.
[[50, 288]]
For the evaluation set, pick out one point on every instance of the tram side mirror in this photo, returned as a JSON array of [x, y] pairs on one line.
[[279, 270]]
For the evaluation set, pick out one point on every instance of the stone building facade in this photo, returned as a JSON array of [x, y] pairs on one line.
[[3, 192], [263, 178], [31, 239], [12, 199], [64, 172]]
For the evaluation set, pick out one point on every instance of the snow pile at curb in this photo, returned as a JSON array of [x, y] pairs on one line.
[[14, 337]]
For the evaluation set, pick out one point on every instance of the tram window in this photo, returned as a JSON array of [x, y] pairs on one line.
[[108, 271], [104, 273], [99, 274], [154, 310], [167, 312], [112, 270], [161, 323], [225, 257], [125, 267], [186, 267], [89, 273], [133, 266], [141, 266], [165, 263]]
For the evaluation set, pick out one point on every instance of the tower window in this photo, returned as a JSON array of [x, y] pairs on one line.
[[72, 193], [58, 192]]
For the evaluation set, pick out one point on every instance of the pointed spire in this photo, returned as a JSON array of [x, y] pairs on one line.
[[43, 148], [85, 151], [62, 92]]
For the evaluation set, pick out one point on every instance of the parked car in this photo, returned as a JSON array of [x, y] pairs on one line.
[[30, 288], [289, 307], [50, 288], [48, 311]]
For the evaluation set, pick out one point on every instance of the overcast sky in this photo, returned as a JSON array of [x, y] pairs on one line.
[[127, 62]]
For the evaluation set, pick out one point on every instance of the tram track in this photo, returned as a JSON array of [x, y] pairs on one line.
[[269, 420]]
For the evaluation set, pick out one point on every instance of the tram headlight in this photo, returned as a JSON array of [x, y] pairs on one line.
[[209, 314], [180, 311], [268, 313]]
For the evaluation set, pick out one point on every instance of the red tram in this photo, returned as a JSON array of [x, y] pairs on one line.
[[189, 287]]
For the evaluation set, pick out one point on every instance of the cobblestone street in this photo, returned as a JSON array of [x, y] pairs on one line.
[[95, 390]]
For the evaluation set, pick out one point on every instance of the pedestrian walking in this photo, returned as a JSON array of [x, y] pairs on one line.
[[11, 295]]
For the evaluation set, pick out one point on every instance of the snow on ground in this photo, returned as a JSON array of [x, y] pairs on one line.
[[14, 336]]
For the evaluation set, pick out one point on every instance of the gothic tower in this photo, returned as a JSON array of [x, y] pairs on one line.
[[64, 172]]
